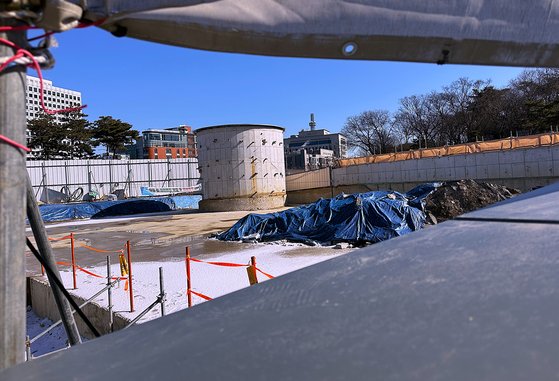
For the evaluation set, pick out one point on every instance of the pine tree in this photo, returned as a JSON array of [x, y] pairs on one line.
[[46, 138], [113, 133], [79, 136]]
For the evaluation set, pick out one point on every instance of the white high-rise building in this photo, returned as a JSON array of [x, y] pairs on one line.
[[55, 97]]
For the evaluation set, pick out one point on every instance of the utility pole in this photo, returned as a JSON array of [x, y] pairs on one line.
[[12, 205]]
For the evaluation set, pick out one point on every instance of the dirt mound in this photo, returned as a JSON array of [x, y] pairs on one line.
[[454, 198]]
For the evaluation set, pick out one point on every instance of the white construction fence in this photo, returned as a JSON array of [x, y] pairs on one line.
[[75, 177]]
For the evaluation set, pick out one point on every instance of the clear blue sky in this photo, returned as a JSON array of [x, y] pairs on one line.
[[156, 86]]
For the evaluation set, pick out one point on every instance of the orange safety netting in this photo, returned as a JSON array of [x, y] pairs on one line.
[[532, 141]]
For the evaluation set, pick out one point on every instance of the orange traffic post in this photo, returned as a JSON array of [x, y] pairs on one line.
[[130, 276], [73, 260], [188, 287], [251, 272], [42, 270]]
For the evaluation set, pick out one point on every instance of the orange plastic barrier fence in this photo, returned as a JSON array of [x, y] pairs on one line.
[[61, 238], [128, 279], [89, 272], [200, 295], [532, 141], [263, 273], [188, 260], [100, 250], [224, 264]]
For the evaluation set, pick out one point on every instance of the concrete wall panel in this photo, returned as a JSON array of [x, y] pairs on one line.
[[508, 167]]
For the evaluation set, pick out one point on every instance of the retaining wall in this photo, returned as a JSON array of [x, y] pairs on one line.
[[523, 169], [42, 301]]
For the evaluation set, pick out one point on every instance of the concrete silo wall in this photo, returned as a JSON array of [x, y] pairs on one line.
[[242, 167]]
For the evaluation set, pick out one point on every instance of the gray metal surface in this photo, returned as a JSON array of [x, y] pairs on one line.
[[497, 32], [539, 205], [12, 208], [464, 300]]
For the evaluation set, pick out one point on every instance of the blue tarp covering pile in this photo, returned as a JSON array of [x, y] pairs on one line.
[[99, 209], [355, 218]]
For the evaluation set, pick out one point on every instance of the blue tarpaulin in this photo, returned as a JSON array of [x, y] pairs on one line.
[[356, 218], [99, 209]]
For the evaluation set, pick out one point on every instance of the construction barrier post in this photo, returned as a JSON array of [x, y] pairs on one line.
[[109, 294], [42, 270], [188, 293], [73, 260], [162, 294], [130, 276], [251, 272]]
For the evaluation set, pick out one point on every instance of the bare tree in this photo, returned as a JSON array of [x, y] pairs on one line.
[[415, 119], [439, 118], [458, 121], [370, 132]]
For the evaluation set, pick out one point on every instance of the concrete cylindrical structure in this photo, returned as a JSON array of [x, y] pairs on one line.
[[242, 167]]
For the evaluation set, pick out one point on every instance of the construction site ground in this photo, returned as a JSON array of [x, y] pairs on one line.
[[152, 237], [160, 241]]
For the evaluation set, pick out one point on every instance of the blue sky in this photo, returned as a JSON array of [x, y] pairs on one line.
[[156, 86]]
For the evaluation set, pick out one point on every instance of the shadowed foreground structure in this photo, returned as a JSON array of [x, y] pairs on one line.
[[472, 298]]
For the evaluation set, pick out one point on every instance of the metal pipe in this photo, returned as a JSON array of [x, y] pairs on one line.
[[109, 294], [12, 205], [45, 250], [45, 186], [28, 355], [162, 295], [188, 286], [130, 276], [58, 322], [72, 248], [144, 312]]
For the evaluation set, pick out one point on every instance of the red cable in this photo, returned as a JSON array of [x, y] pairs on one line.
[[20, 52], [29, 27], [14, 143], [17, 28]]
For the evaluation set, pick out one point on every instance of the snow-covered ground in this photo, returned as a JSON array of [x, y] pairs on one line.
[[210, 280], [52, 341]]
